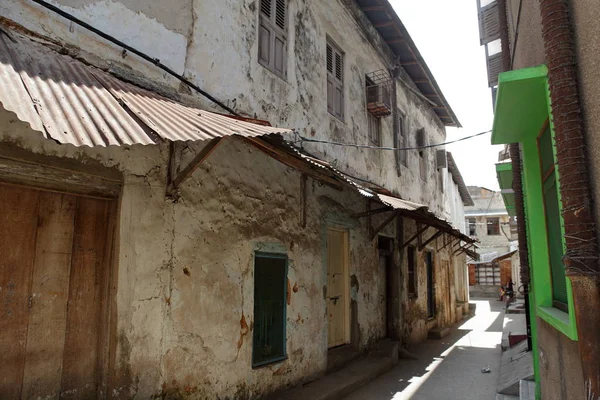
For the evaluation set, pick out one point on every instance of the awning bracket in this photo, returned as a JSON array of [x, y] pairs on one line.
[[383, 225], [420, 230], [189, 169], [431, 239]]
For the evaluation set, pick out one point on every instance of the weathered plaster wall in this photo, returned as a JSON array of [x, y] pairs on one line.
[[184, 297], [530, 46], [215, 45], [416, 322], [560, 365]]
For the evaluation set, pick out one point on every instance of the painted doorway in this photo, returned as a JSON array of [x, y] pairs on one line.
[[338, 309], [430, 285], [54, 256]]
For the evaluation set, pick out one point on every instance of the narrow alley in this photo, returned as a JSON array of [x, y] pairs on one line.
[[450, 368]]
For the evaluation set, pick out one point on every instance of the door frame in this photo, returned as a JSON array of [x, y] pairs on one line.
[[93, 180], [346, 305]]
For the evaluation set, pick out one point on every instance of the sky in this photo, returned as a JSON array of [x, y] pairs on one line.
[[447, 35]]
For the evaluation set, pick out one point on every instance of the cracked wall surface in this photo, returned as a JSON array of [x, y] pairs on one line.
[[215, 45], [184, 280]]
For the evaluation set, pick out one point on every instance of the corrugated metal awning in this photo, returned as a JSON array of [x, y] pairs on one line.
[[71, 102]]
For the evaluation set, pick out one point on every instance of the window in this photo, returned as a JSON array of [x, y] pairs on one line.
[[270, 285], [335, 81], [400, 141], [493, 226], [412, 271], [374, 126], [272, 36], [552, 214], [472, 226], [421, 142]]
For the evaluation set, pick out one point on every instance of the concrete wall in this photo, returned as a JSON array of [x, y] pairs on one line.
[[560, 365], [215, 45], [529, 45]]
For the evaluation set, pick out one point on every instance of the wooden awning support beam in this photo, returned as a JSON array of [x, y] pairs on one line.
[[293, 162], [372, 212], [431, 239], [189, 169], [413, 237], [383, 225]]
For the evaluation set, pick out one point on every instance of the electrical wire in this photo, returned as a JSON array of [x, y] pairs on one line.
[[135, 51], [364, 146]]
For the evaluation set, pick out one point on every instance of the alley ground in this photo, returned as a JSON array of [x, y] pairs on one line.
[[450, 368]]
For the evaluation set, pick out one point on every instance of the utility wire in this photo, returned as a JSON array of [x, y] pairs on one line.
[[364, 146], [135, 51]]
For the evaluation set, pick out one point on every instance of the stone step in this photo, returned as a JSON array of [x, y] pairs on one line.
[[517, 364], [438, 333], [342, 383]]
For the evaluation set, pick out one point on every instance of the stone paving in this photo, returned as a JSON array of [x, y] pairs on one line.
[[450, 368]]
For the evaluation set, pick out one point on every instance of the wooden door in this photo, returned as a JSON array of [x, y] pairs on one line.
[[53, 277], [430, 285], [337, 282], [505, 271]]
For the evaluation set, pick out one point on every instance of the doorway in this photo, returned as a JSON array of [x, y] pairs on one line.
[[386, 268], [430, 285], [338, 309], [55, 249]]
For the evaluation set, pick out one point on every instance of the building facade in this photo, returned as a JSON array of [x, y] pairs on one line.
[[543, 110], [176, 251]]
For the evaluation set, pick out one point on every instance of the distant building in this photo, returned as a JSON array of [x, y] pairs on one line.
[[489, 221]]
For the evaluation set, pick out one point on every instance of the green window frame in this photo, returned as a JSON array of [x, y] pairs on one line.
[[270, 293], [553, 224], [523, 112]]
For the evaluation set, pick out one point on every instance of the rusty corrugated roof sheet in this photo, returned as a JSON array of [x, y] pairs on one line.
[[74, 103]]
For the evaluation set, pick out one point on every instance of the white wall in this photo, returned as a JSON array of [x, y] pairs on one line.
[[215, 45]]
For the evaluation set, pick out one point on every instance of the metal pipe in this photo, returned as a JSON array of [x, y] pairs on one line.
[[581, 256], [133, 50]]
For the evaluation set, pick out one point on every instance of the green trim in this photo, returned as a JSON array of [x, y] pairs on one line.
[[505, 179], [521, 106]]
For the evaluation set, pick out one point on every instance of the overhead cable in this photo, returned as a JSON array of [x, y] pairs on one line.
[[364, 146], [135, 51]]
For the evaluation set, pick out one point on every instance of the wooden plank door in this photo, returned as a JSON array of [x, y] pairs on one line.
[[337, 281], [54, 250]]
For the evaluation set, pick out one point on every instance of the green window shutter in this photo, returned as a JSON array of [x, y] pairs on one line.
[[270, 284]]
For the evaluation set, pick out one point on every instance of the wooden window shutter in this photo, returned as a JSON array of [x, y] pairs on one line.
[[335, 81], [272, 44]]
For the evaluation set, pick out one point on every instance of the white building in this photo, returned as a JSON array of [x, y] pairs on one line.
[[262, 256]]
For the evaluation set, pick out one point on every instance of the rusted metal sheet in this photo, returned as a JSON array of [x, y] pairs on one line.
[[400, 204], [74, 103]]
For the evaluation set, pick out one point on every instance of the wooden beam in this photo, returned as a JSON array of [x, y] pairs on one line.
[[195, 163], [383, 24], [395, 40], [383, 225], [372, 212], [431, 239], [419, 232], [292, 161], [373, 8]]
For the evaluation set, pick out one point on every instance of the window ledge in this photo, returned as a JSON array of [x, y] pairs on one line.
[[559, 320], [269, 362]]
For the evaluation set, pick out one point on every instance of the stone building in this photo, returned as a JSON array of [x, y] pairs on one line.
[[160, 237], [489, 221], [543, 71]]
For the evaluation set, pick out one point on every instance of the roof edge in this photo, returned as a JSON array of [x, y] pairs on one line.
[[458, 179]]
